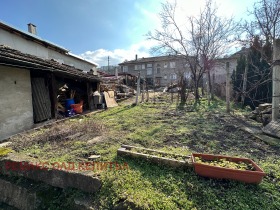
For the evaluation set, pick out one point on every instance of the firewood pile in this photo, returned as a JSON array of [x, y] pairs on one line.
[[262, 113]]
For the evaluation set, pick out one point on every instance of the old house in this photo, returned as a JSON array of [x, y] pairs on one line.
[[37, 78], [159, 71], [218, 72]]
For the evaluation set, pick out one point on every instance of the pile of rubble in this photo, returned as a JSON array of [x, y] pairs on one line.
[[262, 113]]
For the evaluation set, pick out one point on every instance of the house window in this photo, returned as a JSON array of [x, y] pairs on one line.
[[187, 75], [165, 65], [137, 67], [149, 71], [149, 65], [173, 76], [143, 66], [158, 70], [125, 69], [172, 64]]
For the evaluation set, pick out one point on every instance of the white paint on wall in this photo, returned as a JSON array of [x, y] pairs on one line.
[[30, 47], [16, 111]]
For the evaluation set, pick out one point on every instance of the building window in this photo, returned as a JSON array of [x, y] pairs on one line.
[[149, 71], [125, 69], [165, 76], [143, 66], [158, 70], [158, 65], [149, 65], [172, 64], [187, 75], [165, 65], [173, 76], [137, 67]]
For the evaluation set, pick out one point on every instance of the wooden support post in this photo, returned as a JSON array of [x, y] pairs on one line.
[[53, 95], [147, 90], [89, 96], [138, 89], [227, 88], [276, 80], [143, 92]]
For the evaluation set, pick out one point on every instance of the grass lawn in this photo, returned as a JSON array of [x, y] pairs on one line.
[[161, 126]]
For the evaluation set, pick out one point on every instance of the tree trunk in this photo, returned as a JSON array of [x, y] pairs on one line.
[[209, 85], [183, 90]]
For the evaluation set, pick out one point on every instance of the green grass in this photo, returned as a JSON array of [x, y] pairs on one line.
[[163, 126]]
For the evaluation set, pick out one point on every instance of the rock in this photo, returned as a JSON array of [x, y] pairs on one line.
[[17, 196], [5, 144], [266, 118], [50, 174], [84, 203], [272, 129], [93, 157], [267, 111], [264, 106], [95, 139]]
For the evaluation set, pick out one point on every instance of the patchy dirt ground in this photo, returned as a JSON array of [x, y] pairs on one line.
[[161, 125]]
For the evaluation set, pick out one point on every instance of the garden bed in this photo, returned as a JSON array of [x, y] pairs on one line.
[[225, 167]]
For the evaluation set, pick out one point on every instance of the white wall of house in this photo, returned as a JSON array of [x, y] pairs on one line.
[[219, 70], [16, 112], [27, 46]]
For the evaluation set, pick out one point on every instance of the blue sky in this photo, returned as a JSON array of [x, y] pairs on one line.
[[96, 29]]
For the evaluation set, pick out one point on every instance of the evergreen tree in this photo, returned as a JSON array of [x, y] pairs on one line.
[[237, 77], [259, 83]]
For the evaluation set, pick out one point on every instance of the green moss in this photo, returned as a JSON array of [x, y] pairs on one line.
[[4, 151]]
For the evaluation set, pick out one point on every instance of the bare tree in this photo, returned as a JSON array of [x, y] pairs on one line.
[[200, 40]]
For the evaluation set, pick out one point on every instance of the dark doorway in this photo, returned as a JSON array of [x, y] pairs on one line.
[[41, 99]]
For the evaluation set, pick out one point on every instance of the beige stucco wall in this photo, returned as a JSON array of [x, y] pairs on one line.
[[165, 72], [30, 47], [16, 112]]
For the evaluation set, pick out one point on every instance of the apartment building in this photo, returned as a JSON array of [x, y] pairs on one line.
[[159, 71]]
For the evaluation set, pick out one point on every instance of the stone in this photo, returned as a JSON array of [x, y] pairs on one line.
[[57, 177], [93, 157], [17, 196], [264, 106], [272, 128], [268, 110], [266, 118], [5, 144], [95, 140]]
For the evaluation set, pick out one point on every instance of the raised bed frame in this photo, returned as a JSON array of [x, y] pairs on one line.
[[246, 176], [125, 150]]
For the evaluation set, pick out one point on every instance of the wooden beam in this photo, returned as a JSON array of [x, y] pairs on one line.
[[53, 95], [89, 96]]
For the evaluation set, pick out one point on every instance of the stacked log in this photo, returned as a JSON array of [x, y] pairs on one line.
[[262, 113]]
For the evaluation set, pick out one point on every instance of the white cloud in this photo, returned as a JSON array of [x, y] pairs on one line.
[[150, 21], [100, 56]]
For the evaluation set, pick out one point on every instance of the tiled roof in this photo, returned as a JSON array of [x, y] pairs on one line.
[[31, 36], [153, 59], [12, 57]]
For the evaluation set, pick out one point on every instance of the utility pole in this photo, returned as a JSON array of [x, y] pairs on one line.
[[108, 63], [276, 80], [227, 88]]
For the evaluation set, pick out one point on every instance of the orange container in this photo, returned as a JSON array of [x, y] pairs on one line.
[[78, 108], [227, 173]]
